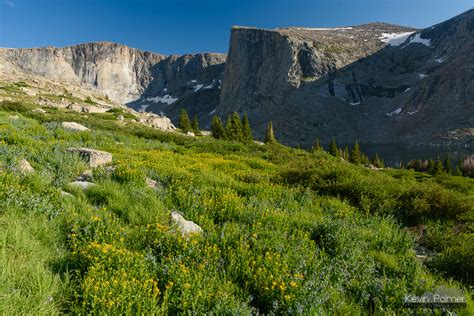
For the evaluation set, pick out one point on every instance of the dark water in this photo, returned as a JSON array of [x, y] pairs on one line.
[[393, 154]]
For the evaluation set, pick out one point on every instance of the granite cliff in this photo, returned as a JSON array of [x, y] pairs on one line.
[[377, 83], [143, 80]]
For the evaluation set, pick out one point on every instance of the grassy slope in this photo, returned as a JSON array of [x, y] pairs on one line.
[[285, 230]]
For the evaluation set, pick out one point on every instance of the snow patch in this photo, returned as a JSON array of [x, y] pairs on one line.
[[394, 39], [397, 111], [164, 99], [212, 112], [355, 103], [143, 107], [421, 76], [198, 87], [407, 89], [417, 39], [439, 60], [411, 113]]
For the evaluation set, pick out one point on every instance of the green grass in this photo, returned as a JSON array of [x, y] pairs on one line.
[[285, 230]]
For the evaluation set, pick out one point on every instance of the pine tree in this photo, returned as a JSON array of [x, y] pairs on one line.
[[270, 137], [195, 126], [246, 130], [438, 167], [457, 171], [234, 128], [184, 122], [431, 166], [377, 162], [217, 128], [448, 167], [333, 148], [317, 146], [346, 154], [355, 156]]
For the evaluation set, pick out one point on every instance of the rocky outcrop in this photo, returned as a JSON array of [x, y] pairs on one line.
[[374, 82], [184, 226], [146, 81], [25, 167], [118, 71], [95, 158], [73, 126]]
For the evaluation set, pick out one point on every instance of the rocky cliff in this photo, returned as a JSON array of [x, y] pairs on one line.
[[374, 82], [144, 80]]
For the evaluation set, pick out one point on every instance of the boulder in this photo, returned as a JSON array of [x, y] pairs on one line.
[[152, 183], [191, 134], [84, 185], [86, 176], [66, 194], [39, 110], [73, 126], [25, 167], [95, 158], [120, 118], [185, 227]]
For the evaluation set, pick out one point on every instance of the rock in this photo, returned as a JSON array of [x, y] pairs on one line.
[[151, 183], [191, 134], [184, 226], [258, 142], [120, 118], [25, 167], [82, 184], [95, 158], [14, 117], [39, 110], [66, 194], [86, 176], [73, 126]]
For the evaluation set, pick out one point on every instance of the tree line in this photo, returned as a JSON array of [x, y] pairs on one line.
[[235, 128]]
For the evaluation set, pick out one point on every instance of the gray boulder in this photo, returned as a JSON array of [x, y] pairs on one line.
[[84, 185], [185, 227], [73, 126], [25, 167], [95, 158]]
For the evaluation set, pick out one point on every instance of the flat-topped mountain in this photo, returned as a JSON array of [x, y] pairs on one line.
[[374, 82]]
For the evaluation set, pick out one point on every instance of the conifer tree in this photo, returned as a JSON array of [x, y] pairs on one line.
[[246, 130], [346, 154], [317, 146], [333, 148], [195, 125], [431, 166], [457, 171], [448, 167], [438, 167], [184, 122], [234, 128], [355, 156], [217, 128], [377, 162], [270, 137]]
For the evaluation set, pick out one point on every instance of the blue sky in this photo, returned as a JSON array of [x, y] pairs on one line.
[[188, 26]]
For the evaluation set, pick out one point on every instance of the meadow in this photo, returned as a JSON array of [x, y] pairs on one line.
[[286, 231]]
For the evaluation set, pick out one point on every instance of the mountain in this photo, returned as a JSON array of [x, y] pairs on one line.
[[143, 80], [377, 83]]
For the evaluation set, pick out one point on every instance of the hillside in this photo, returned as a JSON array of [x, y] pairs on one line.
[[161, 223]]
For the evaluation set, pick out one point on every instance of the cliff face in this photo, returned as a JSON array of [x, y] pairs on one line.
[[118, 71], [144, 80], [374, 82]]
